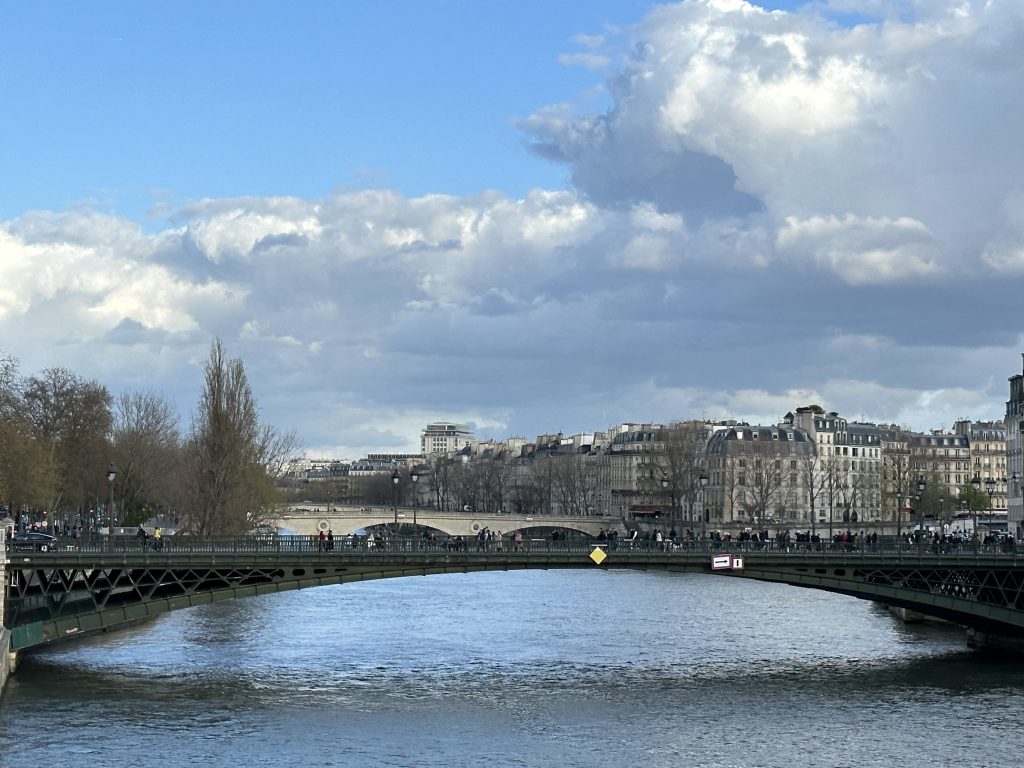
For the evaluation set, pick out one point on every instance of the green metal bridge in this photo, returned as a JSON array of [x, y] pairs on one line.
[[78, 588]]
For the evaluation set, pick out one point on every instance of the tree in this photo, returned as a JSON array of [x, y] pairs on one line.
[[765, 484], [72, 419], [896, 471], [230, 458], [146, 453], [681, 459], [813, 479], [575, 483]]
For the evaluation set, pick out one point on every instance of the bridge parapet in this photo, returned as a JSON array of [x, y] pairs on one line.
[[107, 582]]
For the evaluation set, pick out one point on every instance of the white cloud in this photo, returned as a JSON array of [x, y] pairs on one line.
[[862, 251], [729, 111], [775, 210]]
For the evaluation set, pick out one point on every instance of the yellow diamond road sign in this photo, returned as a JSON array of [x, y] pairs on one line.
[[598, 555]]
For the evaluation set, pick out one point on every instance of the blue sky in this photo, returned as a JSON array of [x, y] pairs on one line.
[[529, 217], [128, 103], [122, 105]]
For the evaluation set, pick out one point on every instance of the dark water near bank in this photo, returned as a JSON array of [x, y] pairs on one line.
[[568, 668]]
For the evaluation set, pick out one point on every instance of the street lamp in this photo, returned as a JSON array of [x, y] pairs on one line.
[[395, 479], [703, 479], [672, 509], [976, 485], [414, 476], [921, 485], [111, 474], [990, 486]]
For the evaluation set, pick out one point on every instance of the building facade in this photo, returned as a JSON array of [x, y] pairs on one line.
[[988, 459], [1014, 459], [442, 437]]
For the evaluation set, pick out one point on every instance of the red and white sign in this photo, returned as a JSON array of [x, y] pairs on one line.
[[726, 563]]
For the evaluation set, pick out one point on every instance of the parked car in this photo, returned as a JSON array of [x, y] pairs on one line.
[[33, 541]]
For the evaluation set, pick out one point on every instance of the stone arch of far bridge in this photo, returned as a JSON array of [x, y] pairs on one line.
[[348, 526]]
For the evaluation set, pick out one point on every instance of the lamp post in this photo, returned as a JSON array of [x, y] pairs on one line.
[[703, 479], [921, 486], [414, 476], [990, 487], [672, 508], [942, 526], [395, 479], [976, 485], [111, 474]]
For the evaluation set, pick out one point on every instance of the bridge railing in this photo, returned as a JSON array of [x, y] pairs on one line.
[[395, 544]]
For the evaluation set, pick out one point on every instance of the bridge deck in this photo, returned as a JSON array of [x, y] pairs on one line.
[[112, 582]]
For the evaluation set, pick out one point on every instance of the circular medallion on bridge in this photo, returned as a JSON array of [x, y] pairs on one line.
[[323, 525], [475, 526]]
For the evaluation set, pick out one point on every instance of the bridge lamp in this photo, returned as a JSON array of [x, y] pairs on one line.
[[990, 487], [976, 485], [921, 485], [414, 476], [111, 474], [395, 479], [703, 479]]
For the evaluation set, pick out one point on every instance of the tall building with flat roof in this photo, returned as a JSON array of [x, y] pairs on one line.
[[443, 437]]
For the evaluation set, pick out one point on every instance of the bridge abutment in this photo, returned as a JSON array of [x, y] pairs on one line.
[[987, 641]]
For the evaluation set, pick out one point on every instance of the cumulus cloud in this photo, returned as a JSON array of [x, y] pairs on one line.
[[777, 208], [895, 130]]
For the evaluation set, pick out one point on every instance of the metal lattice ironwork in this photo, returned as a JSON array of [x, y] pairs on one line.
[[60, 594]]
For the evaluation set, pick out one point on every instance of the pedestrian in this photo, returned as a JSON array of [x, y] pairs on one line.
[[330, 540], [158, 542], [321, 540]]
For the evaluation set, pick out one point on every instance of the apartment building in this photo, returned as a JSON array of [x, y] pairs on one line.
[[1014, 458], [757, 477], [443, 437], [988, 458]]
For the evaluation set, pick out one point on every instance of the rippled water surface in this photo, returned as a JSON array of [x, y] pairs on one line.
[[532, 668]]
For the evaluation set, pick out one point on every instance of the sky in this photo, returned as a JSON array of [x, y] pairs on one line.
[[527, 217]]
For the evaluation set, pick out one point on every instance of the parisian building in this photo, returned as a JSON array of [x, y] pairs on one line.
[[756, 477], [988, 458], [1014, 459], [443, 437]]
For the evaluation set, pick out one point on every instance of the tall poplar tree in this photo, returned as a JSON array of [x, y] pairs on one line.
[[231, 458]]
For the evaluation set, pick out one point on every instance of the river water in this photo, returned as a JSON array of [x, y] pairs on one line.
[[530, 668]]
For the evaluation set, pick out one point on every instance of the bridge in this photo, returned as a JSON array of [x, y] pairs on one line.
[[73, 590], [309, 519]]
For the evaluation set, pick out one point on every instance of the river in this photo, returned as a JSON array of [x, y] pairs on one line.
[[530, 668]]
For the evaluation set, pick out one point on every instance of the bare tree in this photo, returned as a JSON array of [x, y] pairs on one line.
[[682, 459], [813, 479], [146, 453], [896, 472], [575, 484], [440, 480], [231, 458], [72, 418], [765, 482]]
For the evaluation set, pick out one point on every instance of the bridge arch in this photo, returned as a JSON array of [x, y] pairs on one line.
[[61, 594]]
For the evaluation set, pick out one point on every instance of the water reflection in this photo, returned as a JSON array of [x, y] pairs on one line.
[[540, 668]]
